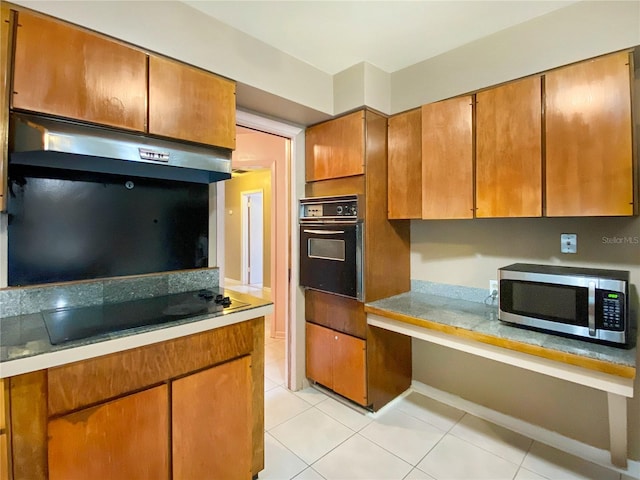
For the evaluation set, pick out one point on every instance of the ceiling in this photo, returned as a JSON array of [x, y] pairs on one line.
[[335, 35]]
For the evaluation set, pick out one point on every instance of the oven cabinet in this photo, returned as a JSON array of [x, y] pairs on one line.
[[125, 438], [589, 153], [336, 148], [6, 20], [63, 70], [509, 150], [178, 409], [404, 174], [190, 104], [367, 365], [337, 361]]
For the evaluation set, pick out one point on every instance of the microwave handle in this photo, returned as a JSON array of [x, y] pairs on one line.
[[592, 309], [324, 232]]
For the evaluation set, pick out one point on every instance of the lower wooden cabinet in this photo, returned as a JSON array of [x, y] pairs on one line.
[[206, 407], [337, 361], [125, 438]]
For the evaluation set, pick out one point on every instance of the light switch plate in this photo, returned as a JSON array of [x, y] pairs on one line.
[[568, 243]]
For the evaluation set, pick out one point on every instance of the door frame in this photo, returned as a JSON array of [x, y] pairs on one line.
[[284, 264], [245, 234]]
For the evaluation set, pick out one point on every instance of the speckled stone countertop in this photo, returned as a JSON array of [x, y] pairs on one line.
[[475, 319], [24, 341]]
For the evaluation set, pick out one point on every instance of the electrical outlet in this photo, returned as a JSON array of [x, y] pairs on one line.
[[493, 287], [568, 243]]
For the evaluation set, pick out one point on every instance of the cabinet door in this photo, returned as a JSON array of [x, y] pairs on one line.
[[125, 438], [4, 457], [318, 354], [508, 150], [349, 367], [335, 148], [62, 70], [447, 159], [589, 158], [191, 104], [212, 423], [6, 34], [405, 166]]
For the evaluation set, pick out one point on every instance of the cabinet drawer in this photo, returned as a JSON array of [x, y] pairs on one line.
[[90, 381], [333, 311]]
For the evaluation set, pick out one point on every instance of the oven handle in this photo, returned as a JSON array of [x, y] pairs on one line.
[[324, 232]]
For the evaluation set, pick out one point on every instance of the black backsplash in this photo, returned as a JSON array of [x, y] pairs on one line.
[[66, 225]]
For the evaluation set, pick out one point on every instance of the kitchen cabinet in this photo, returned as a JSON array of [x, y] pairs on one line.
[[6, 40], [190, 104], [219, 397], [4, 454], [509, 150], [337, 361], [125, 438], [336, 148], [65, 71], [169, 409], [589, 155], [447, 159], [405, 165]]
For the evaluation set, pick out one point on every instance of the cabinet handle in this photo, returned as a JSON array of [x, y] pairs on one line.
[[336, 337]]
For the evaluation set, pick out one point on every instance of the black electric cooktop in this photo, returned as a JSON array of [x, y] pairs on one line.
[[69, 324]]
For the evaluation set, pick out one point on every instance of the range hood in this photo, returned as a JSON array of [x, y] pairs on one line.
[[53, 143]]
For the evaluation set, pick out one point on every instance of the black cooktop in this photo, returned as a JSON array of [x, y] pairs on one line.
[[69, 324]]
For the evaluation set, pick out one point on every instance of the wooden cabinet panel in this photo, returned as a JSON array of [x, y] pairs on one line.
[[405, 165], [447, 159], [126, 438], [508, 150], [318, 354], [6, 40], [191, 104], [4, 458], [338, 313], [335, 148], [349, 367], [211, 428], [62, 70], [337, 361], [589, 157]]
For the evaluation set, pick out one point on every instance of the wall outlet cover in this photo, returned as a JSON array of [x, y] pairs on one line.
[[568, 243]]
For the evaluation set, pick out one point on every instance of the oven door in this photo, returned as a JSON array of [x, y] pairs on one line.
[[331, 258]]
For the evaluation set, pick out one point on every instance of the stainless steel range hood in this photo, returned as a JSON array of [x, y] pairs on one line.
[[46, 142]]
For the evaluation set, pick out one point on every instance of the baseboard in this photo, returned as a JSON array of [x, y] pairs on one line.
[[535, 432]]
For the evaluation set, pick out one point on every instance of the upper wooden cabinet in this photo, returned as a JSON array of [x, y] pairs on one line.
[[191, 104], [405, 165], [447, 159], [6, 38], [62, 70], [589, 157], [509, 150], [336, 148]]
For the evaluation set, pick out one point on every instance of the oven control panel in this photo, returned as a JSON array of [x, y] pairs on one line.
[[329, 209]]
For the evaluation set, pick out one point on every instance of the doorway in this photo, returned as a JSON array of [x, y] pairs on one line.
[[252, 238]]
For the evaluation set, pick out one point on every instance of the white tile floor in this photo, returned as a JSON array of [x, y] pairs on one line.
[[310, 435]]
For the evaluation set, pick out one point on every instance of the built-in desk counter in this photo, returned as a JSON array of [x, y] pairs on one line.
[[473, 327]]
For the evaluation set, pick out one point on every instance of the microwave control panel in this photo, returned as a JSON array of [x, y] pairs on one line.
[[612, 309]]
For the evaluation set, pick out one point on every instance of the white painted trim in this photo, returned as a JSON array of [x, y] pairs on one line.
[[535, 432], [583, 376], [292, 374]]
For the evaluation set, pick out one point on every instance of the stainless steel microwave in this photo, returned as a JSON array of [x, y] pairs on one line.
[[587, 303]]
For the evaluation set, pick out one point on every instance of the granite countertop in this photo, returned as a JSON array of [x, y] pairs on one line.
[[474, 319], [25, 345]]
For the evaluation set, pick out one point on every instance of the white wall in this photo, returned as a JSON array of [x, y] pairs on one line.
[[583, 30]]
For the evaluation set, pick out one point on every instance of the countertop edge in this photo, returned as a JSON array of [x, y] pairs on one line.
[[20, 366], [535, 350]]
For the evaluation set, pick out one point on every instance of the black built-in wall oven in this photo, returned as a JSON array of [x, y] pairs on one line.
[[331, 245]]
